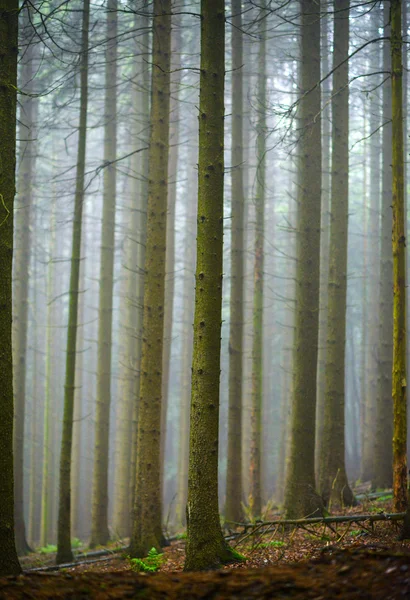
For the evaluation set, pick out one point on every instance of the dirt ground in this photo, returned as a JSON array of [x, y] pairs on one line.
[[346, 561]]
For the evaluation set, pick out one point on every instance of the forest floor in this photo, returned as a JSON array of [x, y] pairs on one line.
[[344, 561]]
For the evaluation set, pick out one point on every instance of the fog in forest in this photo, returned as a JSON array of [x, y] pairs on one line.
[[120, 281]]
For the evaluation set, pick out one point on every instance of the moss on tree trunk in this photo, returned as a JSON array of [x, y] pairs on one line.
[[399, 270]]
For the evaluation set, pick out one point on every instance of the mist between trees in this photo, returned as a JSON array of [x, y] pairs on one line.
[[204, 321]]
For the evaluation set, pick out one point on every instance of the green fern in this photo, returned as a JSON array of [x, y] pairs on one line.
[[150, 564]]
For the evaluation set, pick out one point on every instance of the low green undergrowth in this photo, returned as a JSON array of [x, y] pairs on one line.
[[149, 564]]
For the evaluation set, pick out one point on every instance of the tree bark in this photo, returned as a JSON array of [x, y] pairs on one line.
[[147, 522], [64, 553], [99, 526], [399, 383], [300, 496], [206, 547], [9, 564], [333, 484], [383, 455]]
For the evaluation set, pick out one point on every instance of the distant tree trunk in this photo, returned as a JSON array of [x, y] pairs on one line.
[[206, 547], [142, 228], [147, 523], [9, 564], [99, 526], [333, 484], [127, 416], [23, 210], [399, 382], [383, 454], [300, 496], [49, 353], [64, 553], [188, 312], [324, 238], [234, 493], [369, 408], [257, 343], [78, 450], [170, 237]]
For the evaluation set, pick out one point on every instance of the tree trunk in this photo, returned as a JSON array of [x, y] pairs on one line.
[[300, 496], [234, 493], [176, 46], [9, 564], [333, 484], [257, 342], [324, 238], [399, 383], [383, 455], [23, 210], [147, 523], [64, 553], [99, 526], [369, 408], [206, 547]]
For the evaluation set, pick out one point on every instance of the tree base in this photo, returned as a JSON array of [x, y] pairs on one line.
[[211, 557]]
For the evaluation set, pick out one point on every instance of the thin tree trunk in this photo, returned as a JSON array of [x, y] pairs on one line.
[[170, 237], [64, 553], [22, 238], [333, 484], [383, 455], [369, 408], [324, 239], [9, 564], [99, 526], [300, 496], [49, 351], [257, 342], [147, 522], [234, 493], [399, 383]]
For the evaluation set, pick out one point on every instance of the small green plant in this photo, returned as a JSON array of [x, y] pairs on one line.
[[48, 549], [76, 543], [181, 536], [272, 544], [150, 564], [385, 498], [355, 532]]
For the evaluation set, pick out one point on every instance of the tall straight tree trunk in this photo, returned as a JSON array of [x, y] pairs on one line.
[[383, 454], [399, 269], [147, 523], [99, 526], [324, 238], [49, 353], [234, 493], [9, 564], [23, 211], [142, 228], [369, 408], [206, 547], [64, 553], [257, 342], [188, 313], [170, 237], [333, 484], [133, 311], [300, 496]]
